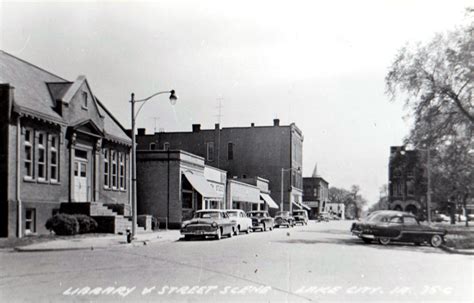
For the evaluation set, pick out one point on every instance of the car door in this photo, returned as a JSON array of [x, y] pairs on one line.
[[412, 230], [388, 227]]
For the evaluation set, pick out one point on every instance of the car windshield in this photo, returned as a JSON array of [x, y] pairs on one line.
[[377, 217], [283, 213], [233, 213], [207, 215], [257, 214]]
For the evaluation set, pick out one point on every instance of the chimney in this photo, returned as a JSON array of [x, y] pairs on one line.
[[252, 124], [217, 126], [141, 131], [196, 128], [276, 122]]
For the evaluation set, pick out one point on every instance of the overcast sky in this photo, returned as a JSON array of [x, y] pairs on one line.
[[320, 64]]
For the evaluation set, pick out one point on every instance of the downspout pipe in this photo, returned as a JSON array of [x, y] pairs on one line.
[[18, 178]]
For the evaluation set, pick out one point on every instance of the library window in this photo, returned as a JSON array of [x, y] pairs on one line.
[[28, 143], [30, 218], [41, 156]]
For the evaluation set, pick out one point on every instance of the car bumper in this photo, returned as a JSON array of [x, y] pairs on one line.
[[361, 234], [199, 233]]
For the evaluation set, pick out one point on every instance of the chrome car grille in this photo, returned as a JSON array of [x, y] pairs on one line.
[[199, 227]]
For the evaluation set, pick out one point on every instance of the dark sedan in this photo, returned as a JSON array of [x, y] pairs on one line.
[[389, 225], [261, 220], [284, 218]]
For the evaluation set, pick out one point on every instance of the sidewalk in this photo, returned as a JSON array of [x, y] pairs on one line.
[[92, 243]]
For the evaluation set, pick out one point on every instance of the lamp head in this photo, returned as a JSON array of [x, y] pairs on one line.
[[173, 97]]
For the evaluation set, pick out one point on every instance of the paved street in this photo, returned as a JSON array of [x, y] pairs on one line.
[[318, 262]]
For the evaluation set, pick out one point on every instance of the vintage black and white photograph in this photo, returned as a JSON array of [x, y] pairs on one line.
[[237, 151]]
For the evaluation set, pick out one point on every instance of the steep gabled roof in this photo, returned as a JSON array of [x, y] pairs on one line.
[[31, 93], [36, 92]]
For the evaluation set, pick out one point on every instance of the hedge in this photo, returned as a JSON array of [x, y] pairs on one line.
[[66, 225]]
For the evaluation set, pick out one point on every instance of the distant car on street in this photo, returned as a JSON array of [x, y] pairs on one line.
[[389, 225], [441, 218], [323, 217], [261, 220], [243, 223], [300, 216], [284, 218], [210, 222]]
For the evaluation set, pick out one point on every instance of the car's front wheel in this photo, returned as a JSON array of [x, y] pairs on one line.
[[367, 240], [237, 231], [384, 240], [219, 234], [436, 241]]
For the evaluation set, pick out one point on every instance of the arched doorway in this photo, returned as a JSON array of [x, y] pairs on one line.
[[398, 207]]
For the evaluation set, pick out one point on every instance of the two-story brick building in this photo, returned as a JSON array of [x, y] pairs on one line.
[[58, 144], [254, 151], [315, 195]]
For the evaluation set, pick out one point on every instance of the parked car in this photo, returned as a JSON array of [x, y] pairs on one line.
[[460, 218], [470, 217], [301, 216], [441, 218], [211, 222], [284, 218], [323, 217], [261, 220], [243, 223], [389, 225], [334, 217]]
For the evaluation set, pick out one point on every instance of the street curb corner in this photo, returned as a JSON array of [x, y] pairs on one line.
[[456, 251]]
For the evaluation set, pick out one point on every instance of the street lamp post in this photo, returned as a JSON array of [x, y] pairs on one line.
[[173, 99], [283, 170]]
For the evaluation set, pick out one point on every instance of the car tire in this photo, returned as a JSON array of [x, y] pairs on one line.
[[248, 230], [219, 234], [436, 241], [384, 240], [417, 243], [270, 228], [264, 228], [231, 234], [237, 231], [366, 240], [187, 237]]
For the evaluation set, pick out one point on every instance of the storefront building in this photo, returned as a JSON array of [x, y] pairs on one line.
[[173, 185]]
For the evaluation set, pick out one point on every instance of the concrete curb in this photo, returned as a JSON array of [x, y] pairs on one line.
[[457, 251]]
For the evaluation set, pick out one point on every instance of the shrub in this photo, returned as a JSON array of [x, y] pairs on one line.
[[63, 224], [86, 224]]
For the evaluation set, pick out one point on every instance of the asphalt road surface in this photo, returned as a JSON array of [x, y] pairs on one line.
[[318, 262]]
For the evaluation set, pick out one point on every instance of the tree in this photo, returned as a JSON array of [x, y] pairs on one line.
[[352, 200], [437, 80], [382, 203]]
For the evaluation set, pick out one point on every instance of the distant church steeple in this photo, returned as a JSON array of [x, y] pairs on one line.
[[315, 170]]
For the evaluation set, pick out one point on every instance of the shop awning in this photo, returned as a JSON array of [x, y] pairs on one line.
[[201, 185], [300, 205], [269, 200]]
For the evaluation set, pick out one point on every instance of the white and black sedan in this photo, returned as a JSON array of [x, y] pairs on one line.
[[209, 222]]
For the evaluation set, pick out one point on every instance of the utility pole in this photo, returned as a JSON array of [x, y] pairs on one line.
[[155, 120], [219, 116]]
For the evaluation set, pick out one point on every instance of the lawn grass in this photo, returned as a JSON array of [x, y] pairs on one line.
[[27, 240]]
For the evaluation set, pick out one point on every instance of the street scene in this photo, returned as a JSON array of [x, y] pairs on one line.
[[251, 151], [318, 261]]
